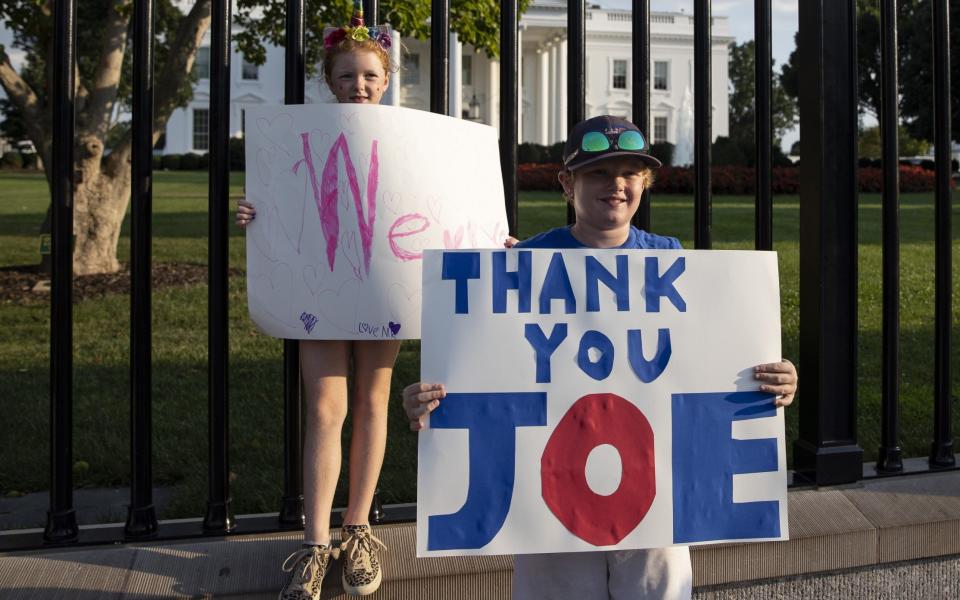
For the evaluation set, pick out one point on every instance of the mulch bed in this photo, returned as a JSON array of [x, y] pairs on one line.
[[23, 285]]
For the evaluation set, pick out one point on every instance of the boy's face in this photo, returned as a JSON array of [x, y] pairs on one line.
[[606, 194], [358, 77]]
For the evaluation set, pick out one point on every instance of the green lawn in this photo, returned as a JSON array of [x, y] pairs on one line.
[[101, 339]]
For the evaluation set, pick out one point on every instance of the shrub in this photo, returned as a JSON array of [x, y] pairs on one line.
[[157, 162], [30, 161], [190, 162], [171, 162], [663, 151], [529, 152], [541, 176], [237, 154], [11, 160]]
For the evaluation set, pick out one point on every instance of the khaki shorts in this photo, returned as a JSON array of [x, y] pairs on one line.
[[616, 575]]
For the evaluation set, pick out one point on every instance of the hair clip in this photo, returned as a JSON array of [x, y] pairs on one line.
[[357, 31]]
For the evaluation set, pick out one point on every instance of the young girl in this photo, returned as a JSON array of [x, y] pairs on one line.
[[356, 69], [606, 168]]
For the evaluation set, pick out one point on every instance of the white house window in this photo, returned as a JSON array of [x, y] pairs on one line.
[[467, 71], [619, 74], [201, 129], [201, 66], [411, 68], [250, 71], [660, 80], [659, 129]]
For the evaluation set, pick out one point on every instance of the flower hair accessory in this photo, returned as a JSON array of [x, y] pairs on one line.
[[357, 31]]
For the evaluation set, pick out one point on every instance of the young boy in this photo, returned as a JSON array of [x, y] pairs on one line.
[[606, 167]]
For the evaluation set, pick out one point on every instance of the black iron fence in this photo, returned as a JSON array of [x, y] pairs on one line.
[[826, 451]]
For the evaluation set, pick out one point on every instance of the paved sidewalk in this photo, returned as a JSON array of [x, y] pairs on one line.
[[893, 537]]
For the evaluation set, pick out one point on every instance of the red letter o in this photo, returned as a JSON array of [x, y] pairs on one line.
[[593, 420]]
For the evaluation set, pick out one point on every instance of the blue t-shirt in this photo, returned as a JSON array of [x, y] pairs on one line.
[[560, 237]]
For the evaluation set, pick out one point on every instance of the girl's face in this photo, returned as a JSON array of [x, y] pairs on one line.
[[358, 77]]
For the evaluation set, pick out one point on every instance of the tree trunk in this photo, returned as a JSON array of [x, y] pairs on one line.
[[100, 202]]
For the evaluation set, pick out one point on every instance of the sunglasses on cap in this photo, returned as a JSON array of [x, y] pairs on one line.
[[597, 141]]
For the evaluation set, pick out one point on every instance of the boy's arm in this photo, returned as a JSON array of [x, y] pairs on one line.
[[778, 378]]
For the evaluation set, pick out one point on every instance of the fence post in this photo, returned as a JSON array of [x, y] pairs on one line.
[[941, 451], [827, 451], [762, 32], [61, 518], [703, 119], [141, 516], [291, 507], [509, 62], [641, 91], [889, 456], [218, 518]]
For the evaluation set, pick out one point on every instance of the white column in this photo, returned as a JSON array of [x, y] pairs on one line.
[[554, 99], [493, 94], [562, 91], [393, 92], [455, 93], [543, 95], [520, 114]]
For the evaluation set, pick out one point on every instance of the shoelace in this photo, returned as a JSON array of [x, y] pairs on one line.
[[313, 555], [365, 540]]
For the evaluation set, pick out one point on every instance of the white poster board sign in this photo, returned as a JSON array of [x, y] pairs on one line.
[[599, 399], [347, 198]]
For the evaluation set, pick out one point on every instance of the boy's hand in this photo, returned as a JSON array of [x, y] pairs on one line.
[[419, 400], [245, 213], [510, 242], [778, 378]]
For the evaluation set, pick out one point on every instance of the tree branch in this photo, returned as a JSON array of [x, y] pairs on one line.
[[21, 94], [183, 51], [95, 118]]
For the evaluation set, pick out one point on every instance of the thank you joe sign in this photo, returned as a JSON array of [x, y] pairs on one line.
[[599, 399]]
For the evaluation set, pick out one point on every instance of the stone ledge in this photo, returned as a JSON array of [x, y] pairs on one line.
[[869, 526]]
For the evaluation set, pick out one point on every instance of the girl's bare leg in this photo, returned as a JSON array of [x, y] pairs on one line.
[[373, 367], [323, 365]]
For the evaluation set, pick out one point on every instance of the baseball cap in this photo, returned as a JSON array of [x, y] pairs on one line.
[[603, 137]]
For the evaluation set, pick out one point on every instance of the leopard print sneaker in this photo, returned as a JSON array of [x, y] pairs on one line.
[[361, 569], [307, 568]]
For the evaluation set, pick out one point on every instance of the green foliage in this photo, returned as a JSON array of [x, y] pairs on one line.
[[12, 126], [743, 93], [190, 161], [477, 22], [237, 154], [530, 152], [870, 145], [915, 61], [11, 160], [171, 162], [663, 151]]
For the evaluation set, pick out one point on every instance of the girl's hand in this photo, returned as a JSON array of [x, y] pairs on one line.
[[510, 242], [419, 400], [778, 378], [245, 213]]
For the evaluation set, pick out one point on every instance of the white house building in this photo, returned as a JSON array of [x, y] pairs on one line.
[[475, 77]]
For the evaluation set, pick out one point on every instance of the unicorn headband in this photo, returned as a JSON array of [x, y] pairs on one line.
[[357, 31]]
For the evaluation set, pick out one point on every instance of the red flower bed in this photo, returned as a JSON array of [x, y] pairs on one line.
[[731, 179]]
